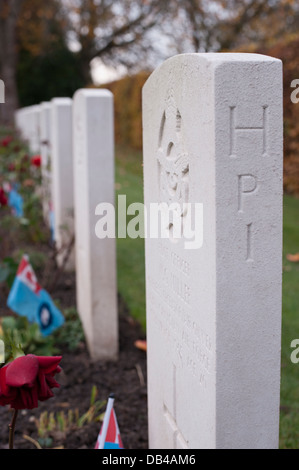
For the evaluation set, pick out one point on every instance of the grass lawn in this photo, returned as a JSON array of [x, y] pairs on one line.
[[289, 419], [131, 284], [130, 252]]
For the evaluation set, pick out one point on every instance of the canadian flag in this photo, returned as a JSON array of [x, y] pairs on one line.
[[26, 275]]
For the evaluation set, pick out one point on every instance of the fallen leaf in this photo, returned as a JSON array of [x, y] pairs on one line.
[[293, 258], [140, 344]]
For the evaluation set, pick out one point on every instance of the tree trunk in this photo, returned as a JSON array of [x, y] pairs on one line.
[[9, 10], [85, 67]]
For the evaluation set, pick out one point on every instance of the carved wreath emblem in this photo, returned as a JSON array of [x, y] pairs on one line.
[[172, 158]]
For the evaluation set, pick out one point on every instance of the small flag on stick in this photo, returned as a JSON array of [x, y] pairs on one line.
[[109, 436], [15, 201], [27, 298]]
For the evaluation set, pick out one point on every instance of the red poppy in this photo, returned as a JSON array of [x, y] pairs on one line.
[[6, 141], [36, 160], [3, 198], [28, 379]]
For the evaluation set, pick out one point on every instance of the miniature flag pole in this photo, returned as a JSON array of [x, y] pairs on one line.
[[109, 436], [106, 421]]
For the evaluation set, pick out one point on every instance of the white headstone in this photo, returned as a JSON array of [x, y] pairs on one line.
[[45, 151], [19, 120], [93, 133], [33, 128], [62, 179], [27, 123], [213, 135]]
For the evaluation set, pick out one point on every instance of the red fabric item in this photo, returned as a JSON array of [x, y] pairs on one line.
[[28, 379]]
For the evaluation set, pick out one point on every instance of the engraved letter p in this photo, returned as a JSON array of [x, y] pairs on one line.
[[247, 185]]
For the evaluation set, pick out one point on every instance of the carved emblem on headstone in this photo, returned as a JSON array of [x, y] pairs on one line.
[[172, 158]]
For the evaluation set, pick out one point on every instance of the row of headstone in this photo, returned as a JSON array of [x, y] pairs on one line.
[[47, 128], [212, 144], [75, 141]]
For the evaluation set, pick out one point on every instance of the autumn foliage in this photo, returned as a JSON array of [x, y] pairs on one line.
[[127, 105], [288, 51]]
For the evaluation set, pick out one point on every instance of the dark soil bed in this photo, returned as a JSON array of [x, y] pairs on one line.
[[126, 378]]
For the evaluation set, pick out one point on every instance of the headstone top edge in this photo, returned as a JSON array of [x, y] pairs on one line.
[[234, 56], [61, 101], [34, 107], [45, 104], [94, 93], [214, 59]]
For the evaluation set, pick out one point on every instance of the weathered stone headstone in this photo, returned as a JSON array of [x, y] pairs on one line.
[[32, 126], [213, 135], [62, 179], [28, 124], [93, 132], [45, 151], [19, 120]]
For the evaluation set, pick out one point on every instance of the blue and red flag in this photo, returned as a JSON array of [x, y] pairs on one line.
[[27, 298], [109, 436]]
